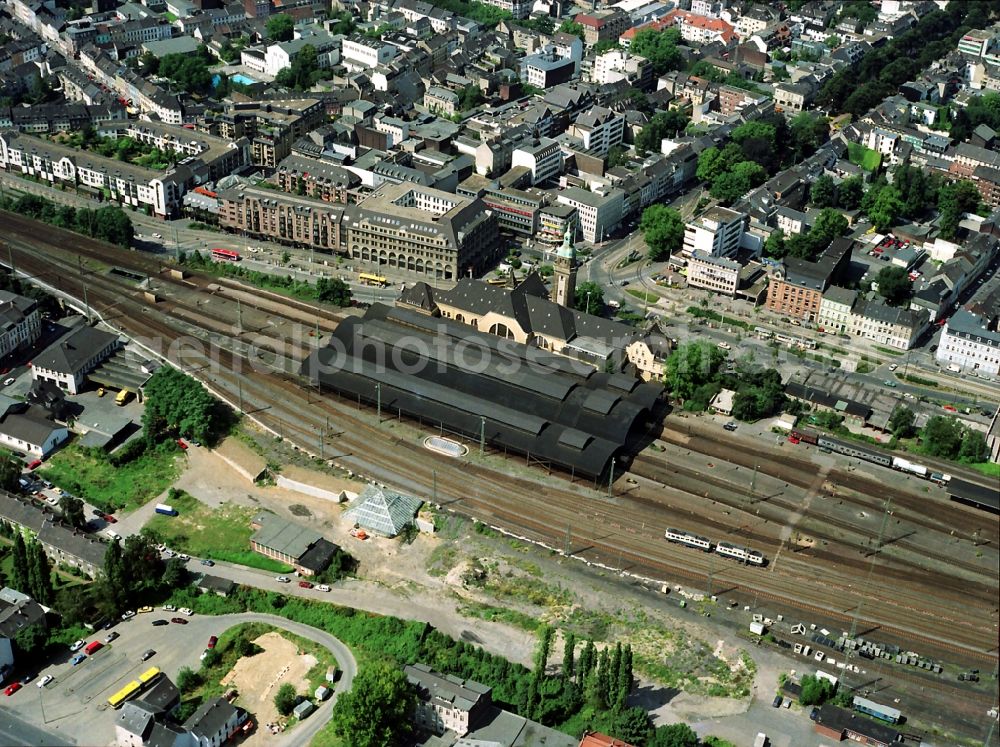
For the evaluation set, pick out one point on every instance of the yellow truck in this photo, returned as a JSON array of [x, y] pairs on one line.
[[122, 397]]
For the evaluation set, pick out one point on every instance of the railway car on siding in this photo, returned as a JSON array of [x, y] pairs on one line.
[[806, 435], [689, 539], [740, 553]]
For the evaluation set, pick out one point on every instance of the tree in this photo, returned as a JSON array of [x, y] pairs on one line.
[[775, 244], [38, 563], [72, 510], [114, 582], [21, 576], [815, 690], [662, 125], [589, 298], [31, 641], [177, 404], [850, 192], [572, 27], [974, 448], [376, 711], [883, 206], [280, 28], [470, 97], [175, 574], [663, 230], [286, 699], [303, 72], [954, 200], [188, 679], [823, 193], [829, 225], [894, 285], [901, 422], [569, 646], [334, 291], [660, 48], [674, 735], [942, 436], [10, 471], [759, 394], [111, 224], [690, 365], [711, 164]]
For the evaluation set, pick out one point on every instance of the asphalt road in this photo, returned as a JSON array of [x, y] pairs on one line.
[[16, 731]]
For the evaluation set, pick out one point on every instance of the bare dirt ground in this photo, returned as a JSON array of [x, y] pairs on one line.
[[258, 678]]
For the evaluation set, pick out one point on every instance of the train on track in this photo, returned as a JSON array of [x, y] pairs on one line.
[[728, 549], [869, 455]]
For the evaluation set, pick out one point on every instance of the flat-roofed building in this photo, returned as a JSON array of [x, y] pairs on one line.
[[713, 273], [716, 233], [554, 220], [272, 126], [424, 231], [541, 156], [599, 215]]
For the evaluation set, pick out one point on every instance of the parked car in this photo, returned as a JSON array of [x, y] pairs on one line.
[[148, 654], [182, 444], [179, 620], [212, 641], [159, 623], [893, 366], [27, 678], [323, 587], [208, 562], [77, 659], [730, 426], [109, 518], [77, 645], [35, 464], [45, 680], [147, 608], [283, 580], [9, 381], [12, 688], [113, 635], [305, 584], [185, 611], [777, 701], [128, 615], [169, 607]]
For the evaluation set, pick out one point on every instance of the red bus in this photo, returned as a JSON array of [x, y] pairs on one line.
[[92, 647], [226, 255]]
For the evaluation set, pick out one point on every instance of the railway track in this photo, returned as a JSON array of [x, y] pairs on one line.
[[540, 511]]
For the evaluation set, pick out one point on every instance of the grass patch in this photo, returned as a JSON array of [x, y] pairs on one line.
[[864, 367], [987, 468], [219, 534], [488, 612], [643, 295], [917, 380], [442, 559], [888, 351], [866, 158], [90, 474], [715, 316]]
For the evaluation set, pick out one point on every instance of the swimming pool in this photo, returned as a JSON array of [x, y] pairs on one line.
[[242, 79]]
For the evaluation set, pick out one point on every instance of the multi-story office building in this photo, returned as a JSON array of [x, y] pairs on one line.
[[424, 231], [284, 217], [542, 156], [971, 342], [361, 54], [599, 129], [603, 25], [713, 273], [553, 220], [716, 233], [599, 215], [515, 209]]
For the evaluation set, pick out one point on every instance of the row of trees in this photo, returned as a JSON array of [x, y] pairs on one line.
[[109, 223], [178, 405], [31, 573]]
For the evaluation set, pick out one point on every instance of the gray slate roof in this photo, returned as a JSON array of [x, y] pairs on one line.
[[284, 536], [68, 355]]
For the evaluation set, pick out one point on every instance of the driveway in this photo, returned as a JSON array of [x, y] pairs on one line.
[[74, 703]]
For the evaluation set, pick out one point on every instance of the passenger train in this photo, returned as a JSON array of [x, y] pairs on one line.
[[869, 455], [729, 550]]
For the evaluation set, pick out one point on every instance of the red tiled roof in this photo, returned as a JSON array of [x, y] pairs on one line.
[[596, 739]]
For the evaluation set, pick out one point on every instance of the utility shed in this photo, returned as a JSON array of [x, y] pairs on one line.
[[303, 709], [382, 511]]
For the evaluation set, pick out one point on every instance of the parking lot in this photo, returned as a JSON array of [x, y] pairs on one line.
[[74, 704]]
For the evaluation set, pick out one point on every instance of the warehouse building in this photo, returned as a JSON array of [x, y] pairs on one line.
[[557, 411], [292, 543]]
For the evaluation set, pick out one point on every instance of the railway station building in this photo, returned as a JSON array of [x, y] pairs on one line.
[[517, 398], [839, 724]]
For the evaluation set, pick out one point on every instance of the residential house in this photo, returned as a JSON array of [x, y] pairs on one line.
[[445, 702], [797, 288], [892, 326], [835, 309], [20, 322], [970, 341]]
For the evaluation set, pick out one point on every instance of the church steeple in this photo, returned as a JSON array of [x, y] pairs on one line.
[[564, 287]]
